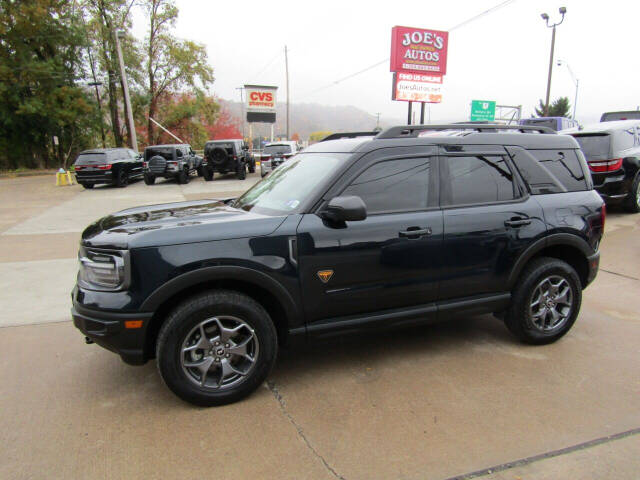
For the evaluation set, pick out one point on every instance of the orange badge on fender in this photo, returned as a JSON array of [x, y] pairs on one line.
[[325, 275]]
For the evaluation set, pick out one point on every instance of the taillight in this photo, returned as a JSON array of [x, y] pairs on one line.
[[104, 167], [605, 165], [266, 157], [235, 157], [78, 167], [172, 163], [145, 164]]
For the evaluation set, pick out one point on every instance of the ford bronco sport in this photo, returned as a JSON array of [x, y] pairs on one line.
[[414, 225]]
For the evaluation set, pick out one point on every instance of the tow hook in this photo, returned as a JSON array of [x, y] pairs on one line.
[[88, 341]]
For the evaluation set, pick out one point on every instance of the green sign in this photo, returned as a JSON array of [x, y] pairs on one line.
[[483, 110]]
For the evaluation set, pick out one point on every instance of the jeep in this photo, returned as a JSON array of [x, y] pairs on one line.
[[415, 225], [224, 156], [170, 161]]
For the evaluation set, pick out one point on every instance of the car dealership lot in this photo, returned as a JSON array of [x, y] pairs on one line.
[[433, 402]]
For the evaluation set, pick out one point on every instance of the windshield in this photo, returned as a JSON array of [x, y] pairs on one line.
[[595, 146], [275, 149], [289, 186], [91, 159]]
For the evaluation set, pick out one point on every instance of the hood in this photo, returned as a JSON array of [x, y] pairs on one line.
[[174, 223]]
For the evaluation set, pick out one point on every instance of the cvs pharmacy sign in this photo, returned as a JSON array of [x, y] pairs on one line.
[[260, 98]]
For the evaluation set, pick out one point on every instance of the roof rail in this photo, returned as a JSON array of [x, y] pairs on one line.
[[405, 131], [337, 136]]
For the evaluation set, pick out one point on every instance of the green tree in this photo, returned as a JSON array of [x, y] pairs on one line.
[[558, 108], [172, 63], [41, 62]]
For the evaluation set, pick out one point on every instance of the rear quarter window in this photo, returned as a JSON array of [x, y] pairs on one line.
[[91, 159], [552, 171]]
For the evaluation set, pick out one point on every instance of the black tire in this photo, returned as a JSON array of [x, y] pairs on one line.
[[122, 179], [632, 202], [252, 166], [241, 171], [149, 179], [187, 316], [88, 186], [200, 171], [518, 317], [183, 176], [208, 174]]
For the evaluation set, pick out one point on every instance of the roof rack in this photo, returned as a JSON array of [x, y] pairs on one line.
[[337, 136], [405, 131]]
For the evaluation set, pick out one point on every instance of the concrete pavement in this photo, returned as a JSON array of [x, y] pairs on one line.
[[430, 403]]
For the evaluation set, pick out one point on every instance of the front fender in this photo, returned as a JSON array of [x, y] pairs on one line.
[[223, 272]]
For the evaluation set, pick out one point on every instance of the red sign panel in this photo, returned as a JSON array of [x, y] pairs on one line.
[[418, 50]]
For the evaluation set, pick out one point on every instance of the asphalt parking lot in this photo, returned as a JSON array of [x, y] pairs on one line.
[[430, 403]]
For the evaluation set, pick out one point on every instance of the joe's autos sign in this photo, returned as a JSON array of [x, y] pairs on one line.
[[419, 50], [260, 103], [415, 87]]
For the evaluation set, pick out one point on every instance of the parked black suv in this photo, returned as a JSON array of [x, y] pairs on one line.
[[224, 156], [416, 225], [170, 161], [612, 149], [115, 166]]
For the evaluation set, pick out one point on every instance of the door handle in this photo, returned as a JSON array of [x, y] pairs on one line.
[[516, 222], [415, 232]]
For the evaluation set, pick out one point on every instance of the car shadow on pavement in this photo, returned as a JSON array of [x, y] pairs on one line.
[[376, 347]]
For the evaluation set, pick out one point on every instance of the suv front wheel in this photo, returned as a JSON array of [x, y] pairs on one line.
[[545, 302], [216, 348]]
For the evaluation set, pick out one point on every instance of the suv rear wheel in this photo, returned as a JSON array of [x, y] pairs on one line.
[[633, 200], [241, 170], [216, 348], [149, 179], [183, 176], [122, 179], [545, 302]]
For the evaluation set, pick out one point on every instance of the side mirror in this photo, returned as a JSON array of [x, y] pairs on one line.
[[345, 209]]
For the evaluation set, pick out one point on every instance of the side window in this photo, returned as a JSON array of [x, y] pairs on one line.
[[624, 139], [179, 153], [478, 179], [564, 167], [393, 185]]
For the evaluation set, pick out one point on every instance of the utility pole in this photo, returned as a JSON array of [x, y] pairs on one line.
[[545, 17], [242, 111], [125, 89], [286, 67]]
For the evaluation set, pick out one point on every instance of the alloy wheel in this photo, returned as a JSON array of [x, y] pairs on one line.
[[551, 303], [219, 352]]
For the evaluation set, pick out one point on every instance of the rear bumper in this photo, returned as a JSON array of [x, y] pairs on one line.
[[593, 266], [614, 188], [108, 330], [94, 178]]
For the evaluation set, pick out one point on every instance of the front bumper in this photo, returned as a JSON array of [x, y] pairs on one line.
[[108, 329]]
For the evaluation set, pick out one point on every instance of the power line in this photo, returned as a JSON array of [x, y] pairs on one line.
[[267, 65], [466, 22]]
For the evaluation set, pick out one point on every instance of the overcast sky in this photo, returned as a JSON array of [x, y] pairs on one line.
[[502, 56]]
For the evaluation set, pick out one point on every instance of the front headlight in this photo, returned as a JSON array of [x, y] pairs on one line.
[[103, 269]]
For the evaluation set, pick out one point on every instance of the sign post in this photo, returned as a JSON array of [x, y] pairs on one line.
[[483, 111]]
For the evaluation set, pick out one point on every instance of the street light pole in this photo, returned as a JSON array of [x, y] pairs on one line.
[[576, 82], [545, 17], [125, 89]]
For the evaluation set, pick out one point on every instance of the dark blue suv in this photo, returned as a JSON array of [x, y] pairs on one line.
[[415, 225]]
